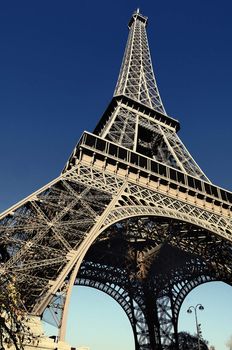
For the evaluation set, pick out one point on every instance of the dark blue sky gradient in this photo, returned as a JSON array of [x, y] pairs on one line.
[[59, 62], [59, 65]]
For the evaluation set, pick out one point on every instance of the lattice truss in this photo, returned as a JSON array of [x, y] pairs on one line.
[[43, 237], [138, 131], [112, 282], [39, 238], [136, 78], [121, 128], [142, 242], [149, 265]]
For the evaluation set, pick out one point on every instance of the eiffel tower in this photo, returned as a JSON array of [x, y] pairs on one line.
[[132, 215]]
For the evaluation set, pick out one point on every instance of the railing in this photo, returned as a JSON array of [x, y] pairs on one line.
[[143, 163]]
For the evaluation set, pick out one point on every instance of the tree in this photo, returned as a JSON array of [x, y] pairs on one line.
[[229, 343], [14, 328], [189, 342]]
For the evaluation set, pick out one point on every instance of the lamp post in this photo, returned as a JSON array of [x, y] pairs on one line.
[[195, 308]]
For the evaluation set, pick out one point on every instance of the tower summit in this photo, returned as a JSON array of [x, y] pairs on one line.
[[153, 133], [132, 214], [136, 78]]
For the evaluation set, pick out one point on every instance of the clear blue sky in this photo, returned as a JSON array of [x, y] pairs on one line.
[[59, 63]]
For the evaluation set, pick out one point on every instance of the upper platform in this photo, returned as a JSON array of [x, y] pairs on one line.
[[137, 16], [159, 116]]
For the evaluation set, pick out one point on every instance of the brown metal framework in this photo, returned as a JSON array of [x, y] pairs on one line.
[[132, 214]]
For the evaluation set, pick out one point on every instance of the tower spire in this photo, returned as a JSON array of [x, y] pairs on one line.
[[136, 78], [132, 215]]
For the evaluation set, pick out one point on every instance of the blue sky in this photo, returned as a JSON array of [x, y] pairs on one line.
[[58, 68]]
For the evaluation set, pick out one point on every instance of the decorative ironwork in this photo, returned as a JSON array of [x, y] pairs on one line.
[[136, 78], [132, 214]]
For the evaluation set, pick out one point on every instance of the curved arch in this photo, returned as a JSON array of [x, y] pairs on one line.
[[188, 287], [132, 309], [125, 212], [114, 291], [119, 214]]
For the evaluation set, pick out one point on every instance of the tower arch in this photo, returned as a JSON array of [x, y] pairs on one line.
[[130, 200]]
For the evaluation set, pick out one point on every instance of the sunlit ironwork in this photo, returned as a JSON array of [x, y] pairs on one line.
[[132, 214]]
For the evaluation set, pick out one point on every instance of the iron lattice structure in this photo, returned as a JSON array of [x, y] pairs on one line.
[[132, 214]]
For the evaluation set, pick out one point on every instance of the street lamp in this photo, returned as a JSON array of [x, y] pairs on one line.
[[195, 308]]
